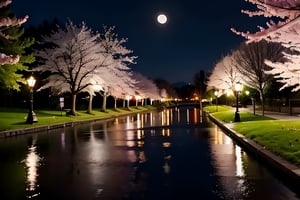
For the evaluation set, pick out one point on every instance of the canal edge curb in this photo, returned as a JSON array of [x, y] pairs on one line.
[[280, 164], [22, 131]]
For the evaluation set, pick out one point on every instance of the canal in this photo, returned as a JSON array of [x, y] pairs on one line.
[[172, 154]]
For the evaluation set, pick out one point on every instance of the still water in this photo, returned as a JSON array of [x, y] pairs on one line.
[[172, 154]]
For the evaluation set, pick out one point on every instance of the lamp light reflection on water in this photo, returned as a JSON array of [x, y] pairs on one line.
[[228, 161], [196, 115], [240, 172], [178, 115], [129, 133], [165, 132], [62, 139], [187, 116], [140, 133], [220, 138], [238, 161], [32, 163]]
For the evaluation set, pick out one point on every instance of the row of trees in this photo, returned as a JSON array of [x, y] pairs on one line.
[[75, 59], [80, 60], [272, 53], [70, 59], [246, 65]]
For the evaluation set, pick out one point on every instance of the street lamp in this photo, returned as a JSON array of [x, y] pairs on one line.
[[216, 95], [31, 117], [238, 88]]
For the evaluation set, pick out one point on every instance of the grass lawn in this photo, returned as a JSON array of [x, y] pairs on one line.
[[279, 136], [16, 118], [226, 114]]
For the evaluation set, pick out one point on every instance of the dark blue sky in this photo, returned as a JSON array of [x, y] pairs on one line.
[[196, 36]]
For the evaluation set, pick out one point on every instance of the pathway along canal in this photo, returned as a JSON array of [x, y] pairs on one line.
[[173, 154]]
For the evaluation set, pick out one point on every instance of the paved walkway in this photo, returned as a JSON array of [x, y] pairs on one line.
[[274, 115]]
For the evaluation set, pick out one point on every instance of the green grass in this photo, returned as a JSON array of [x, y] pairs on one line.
[[11, 119], [282, 137], [216, 109], [279, 136], [226, 114]]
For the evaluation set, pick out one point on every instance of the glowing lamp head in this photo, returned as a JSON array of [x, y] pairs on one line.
[[238, 86], [31, 81], [216, 93]]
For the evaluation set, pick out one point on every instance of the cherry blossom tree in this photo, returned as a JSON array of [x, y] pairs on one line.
[[249, 60], [287, 73], [6, 23], [124, 86], [72, 59], [117, 72], [285, 31], [96, 85], [224, 75], [145, 87], [113, 79]]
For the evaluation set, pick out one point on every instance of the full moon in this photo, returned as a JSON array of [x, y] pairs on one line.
[[162, 18]]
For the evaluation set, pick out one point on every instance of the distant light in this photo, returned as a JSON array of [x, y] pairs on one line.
[[162, 19]]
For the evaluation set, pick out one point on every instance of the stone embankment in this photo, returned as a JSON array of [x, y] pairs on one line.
[[287, 170]]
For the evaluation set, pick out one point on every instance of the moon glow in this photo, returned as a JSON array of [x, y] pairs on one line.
[[162, 19]]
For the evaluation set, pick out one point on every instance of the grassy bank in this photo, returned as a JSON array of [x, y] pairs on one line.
[[279, 136], [226, 114], [11, 119]]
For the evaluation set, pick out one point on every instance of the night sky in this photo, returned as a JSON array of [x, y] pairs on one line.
[[195, 37]]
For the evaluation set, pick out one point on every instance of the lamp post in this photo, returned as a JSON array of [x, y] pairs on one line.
[[238, 88], [216, 95], [31, 117]]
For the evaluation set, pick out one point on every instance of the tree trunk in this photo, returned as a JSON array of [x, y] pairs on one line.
[[73, 105], [90, 107], [200, 106], [124, 103], [103, 109], [115, 104], [262, 99]]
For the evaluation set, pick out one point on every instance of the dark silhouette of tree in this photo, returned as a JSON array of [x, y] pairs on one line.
[[164, 85], [200, 83], [250, 62]]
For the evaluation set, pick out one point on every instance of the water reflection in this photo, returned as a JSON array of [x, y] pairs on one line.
[[32, 163], [62, 139], [130, 133], [173, 154], [239, 162]]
